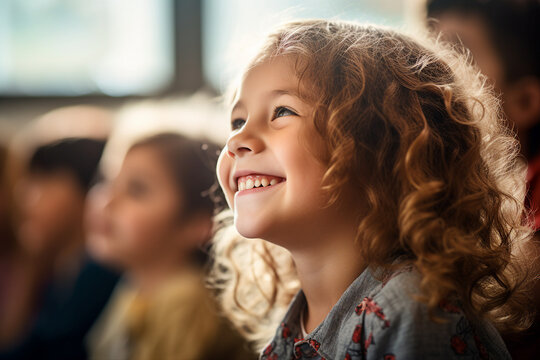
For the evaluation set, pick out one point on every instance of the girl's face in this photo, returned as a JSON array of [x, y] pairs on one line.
[[143, 210], [268, 170]]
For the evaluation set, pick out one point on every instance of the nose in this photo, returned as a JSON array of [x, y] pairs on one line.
[[245, 141], [105, 197]]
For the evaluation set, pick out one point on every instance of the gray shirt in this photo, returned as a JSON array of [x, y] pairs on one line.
[[381, 320]]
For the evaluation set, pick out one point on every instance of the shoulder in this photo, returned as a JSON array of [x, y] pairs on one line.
[[185, 320], [392, 324], [183, 300], [397, 293]]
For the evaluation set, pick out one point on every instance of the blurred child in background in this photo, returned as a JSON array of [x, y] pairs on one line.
[[504, 39], [151, 222], [71, 289]]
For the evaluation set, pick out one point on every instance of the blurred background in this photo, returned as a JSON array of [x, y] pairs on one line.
[[82, 81], [55, 52]]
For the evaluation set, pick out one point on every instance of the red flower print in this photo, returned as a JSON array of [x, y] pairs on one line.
[[297, 352], [314, 344], [298, 339], [389, 357], [286, 332], [458, 344], [357, 334], [369, 306], [369, 341], [481, 348], [268, 349], [268, 353], [347, 356]]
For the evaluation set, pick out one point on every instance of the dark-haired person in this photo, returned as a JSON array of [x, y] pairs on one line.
[[503, 37], [72, 288]]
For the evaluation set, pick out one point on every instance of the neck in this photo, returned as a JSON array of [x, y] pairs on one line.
[[148, 278], [326, 270]]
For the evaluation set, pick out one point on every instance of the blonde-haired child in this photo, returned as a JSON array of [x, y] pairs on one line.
[[383, 167]]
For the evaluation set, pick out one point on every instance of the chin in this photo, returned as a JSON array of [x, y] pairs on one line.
[[250, 227]]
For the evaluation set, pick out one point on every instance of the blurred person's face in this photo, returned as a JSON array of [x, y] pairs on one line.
[[521, 98], [142, 224], [51, 207], [474, 34]]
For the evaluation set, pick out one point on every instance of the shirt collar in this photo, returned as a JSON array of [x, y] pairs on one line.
[[324, 339]]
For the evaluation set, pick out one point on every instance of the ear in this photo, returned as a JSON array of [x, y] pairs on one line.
[[522, 102]]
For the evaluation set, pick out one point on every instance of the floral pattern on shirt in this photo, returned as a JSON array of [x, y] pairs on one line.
[[387, 323]]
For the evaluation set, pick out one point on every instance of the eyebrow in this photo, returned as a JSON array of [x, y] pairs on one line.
[[273, 93], [237, 105], [279, 92]]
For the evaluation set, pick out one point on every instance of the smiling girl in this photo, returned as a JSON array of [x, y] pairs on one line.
[[384, 169]]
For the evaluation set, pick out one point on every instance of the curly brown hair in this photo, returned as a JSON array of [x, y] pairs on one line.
[[409, 124]]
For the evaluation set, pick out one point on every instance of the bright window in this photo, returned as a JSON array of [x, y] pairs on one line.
[[230, 26], [78, 47]]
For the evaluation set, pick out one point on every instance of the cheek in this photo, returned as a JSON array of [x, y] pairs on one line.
[[136, 224], [304, 175], [140, 231], [224, 168]]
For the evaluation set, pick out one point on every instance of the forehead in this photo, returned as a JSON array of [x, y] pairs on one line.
[[275, 74], [141, 157]]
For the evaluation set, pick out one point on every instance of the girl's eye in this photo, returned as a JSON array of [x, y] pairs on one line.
[[281, 111], [237, 124]]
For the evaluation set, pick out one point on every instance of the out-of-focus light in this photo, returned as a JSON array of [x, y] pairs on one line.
[[76, 47]]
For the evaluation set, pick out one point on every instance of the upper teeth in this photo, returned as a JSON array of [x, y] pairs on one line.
[[254, 181]]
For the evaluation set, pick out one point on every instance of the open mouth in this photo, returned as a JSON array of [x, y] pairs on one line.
[[257, 181]]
